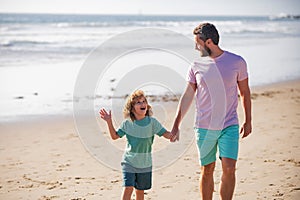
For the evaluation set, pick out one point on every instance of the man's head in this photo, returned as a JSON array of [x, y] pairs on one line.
[[206, 35], [207, 31]]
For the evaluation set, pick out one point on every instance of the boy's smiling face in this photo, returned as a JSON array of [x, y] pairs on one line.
[[140, 107]]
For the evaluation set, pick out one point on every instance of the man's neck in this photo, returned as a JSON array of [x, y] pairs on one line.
[[216, 52]]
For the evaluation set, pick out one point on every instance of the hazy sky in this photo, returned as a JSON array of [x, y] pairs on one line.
[[180, 7]]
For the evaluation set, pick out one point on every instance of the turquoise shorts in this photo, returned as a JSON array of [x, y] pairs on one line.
[[208, 141]]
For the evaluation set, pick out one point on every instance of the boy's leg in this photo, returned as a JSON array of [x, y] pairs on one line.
[[143, 182], [139, 194], [207, 181], [128, 184], [127, 192]]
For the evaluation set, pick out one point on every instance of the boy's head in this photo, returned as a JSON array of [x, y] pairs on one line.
[[137, 104]]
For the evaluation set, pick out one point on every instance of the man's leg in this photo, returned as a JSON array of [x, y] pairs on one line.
[[207, 181], [207, 146], [228, 151], [228, 178]]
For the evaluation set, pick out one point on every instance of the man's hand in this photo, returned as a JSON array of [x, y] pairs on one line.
[[175, 134], [246, 129]]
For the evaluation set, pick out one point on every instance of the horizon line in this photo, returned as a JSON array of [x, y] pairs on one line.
[[138, 14]]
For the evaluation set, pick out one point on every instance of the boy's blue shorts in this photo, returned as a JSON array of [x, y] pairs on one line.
[[140, 179], [227, 140]]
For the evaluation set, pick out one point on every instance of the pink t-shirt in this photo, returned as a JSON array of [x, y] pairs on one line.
[[217, 90]]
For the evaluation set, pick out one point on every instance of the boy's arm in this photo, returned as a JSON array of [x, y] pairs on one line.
[[107, 117], [167, 135], [170, 136], [112, 130]]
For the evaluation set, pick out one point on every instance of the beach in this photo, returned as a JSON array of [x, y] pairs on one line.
[[56, 71], [43, 157]]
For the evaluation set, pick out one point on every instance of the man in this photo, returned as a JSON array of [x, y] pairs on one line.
[[216, 81]]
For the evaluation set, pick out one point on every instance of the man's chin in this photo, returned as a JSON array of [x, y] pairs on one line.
[[204, 54]]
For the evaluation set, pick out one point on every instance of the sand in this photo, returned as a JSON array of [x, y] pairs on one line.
[[44, 158]]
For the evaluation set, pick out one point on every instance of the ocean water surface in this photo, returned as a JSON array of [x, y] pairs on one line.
[[42, 54]]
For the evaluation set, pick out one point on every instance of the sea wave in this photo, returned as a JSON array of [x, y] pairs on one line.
[[121, 24], [12, 43], [284, 16], [260, 31], [55, 35]]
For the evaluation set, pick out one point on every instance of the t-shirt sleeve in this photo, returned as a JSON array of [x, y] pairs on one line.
[[122, 129], [190, 76], [243, 74], [158, 129]]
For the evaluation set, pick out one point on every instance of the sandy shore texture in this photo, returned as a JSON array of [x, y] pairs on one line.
[[43, 158]]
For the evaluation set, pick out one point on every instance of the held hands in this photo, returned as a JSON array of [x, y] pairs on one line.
[[104, 115], [174, 134]]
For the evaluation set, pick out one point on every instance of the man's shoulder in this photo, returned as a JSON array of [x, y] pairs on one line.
[[233, 56], [236, 60], [202, 64]]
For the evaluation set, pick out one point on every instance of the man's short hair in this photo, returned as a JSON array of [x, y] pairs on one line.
[[207, 31]]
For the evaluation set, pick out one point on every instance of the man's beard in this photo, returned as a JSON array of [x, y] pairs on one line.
[[205, 51]]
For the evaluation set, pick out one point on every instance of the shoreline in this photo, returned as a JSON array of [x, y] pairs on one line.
[[255, 91], [285, 83]]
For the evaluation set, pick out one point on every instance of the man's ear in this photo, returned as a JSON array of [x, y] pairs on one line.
[[208, 41]]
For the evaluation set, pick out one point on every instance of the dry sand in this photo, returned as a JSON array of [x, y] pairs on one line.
[[43, 158]]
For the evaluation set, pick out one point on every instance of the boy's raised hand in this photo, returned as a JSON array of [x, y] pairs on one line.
[[104, 115]]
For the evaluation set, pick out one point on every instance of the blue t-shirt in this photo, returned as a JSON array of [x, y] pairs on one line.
[[140, 136]]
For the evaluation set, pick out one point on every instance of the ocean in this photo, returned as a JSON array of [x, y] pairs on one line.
[[42, 55]]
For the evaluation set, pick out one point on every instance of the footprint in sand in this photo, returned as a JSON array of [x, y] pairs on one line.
[[296, 163], [278, 194], [50, 185], [63, 167], [295, 189], [48, 198], [26, 186]]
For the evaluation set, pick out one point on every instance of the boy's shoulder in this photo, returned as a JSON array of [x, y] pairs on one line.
[[126, 122], [145, 121], [152, 119]]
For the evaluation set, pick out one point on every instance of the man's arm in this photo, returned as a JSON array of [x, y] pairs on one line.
[[246, 103], [183, 106]]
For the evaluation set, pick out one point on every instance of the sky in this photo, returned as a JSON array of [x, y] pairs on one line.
[[161, 7]]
